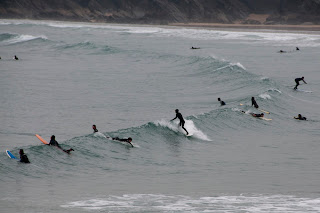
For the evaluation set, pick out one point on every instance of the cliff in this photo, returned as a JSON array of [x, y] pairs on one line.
[[167, 11]]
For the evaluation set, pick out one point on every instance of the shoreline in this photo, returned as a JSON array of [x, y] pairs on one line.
[[249, 26], [284, 27]]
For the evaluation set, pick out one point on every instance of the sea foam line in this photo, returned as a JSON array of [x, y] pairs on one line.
[[180, 203]]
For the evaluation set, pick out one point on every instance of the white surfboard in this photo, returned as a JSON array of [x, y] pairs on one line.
[[301, 90]]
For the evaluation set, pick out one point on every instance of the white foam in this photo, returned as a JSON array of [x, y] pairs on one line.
[[275, 90], [265, 96], [189, 125], [24, 38], [179, 203], [99, 135]]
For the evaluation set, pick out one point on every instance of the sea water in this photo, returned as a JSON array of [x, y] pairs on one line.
[[128, 80]]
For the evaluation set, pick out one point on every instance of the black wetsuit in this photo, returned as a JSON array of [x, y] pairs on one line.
[[302, 118], [54, 143], [297, 82], [182, 122], [24, 158], [257, 115], [123, 140], [95, 130], [120, 139], [254, 103], [222, 103]]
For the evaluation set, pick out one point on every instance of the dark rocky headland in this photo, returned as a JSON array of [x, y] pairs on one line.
[[255, 12]]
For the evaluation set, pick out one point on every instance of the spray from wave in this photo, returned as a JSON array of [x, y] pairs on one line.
[[189, 125]]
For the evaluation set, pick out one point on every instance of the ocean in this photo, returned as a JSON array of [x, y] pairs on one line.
[[128, 80]]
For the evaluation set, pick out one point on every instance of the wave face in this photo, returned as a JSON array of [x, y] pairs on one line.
[[128, 80]]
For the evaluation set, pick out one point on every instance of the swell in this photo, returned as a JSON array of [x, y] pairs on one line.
[[12, 39]]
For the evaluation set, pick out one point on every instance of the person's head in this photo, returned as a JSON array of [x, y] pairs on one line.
[[21, 152], [302, 77], [177, 110], [262, 114], [129, 139], [252, 98], [94, 126], [53, 137], [219, 99], [299, 116]]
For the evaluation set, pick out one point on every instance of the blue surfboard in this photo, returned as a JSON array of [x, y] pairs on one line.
[[10, 155]]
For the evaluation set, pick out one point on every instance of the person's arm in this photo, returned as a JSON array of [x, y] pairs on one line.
[[304, 82], [174, 118]]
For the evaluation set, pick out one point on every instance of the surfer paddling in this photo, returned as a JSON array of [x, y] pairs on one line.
[[257, 115], [300, 118], [297, 82], [182, 122], [53, 142], [129, 140]]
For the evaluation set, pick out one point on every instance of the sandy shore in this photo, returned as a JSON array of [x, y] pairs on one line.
[[250, 26]]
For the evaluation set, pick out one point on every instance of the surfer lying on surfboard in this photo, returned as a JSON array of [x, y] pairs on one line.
[[300, 117], [124, 140], [257, 115], [53, 142]]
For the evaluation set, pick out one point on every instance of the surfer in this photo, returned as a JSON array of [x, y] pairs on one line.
[[179, 115], [195, 48], [128, 140], [15, 57], [281, 51], [297, 48], [221, 102], [300, 117], [254, 103], [297, 82], [94, 128], [23, 157], [257, 115], [53, 142]]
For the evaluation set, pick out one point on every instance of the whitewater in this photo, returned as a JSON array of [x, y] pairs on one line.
[[128, 80]]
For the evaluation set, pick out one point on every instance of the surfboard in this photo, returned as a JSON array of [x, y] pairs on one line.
[[45, 142], [122, 142], [261, 110], [301, 90], [266, 119], [10, 155], [41, 139]]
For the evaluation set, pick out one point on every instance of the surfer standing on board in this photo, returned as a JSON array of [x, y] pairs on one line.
[[53, 142], [297, 82], [179, 115]]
